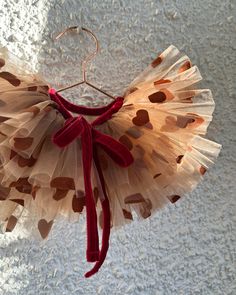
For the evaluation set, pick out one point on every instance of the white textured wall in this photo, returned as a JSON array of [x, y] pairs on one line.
[[188, 248]]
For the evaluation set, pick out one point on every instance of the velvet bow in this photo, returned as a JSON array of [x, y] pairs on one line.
[[91, 139]]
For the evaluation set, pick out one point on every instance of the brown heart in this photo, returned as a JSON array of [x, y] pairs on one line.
[[158, 96], [32, 88], [11, 223], [127, 214], [179, 159], [156, 61], [22, 185], [182, 122], [202, 170], [2, 62], [134, 198], [145, 209], [185, 66], [66, 183], [23, 143], [18, 201], [141, 118], [60, 194], [126, 141], [174, 198], [44, 227], [161, 81], [12, 79], [22, 162], [78, 202]]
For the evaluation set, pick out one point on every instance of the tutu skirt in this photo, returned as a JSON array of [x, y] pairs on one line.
[[161, 123]]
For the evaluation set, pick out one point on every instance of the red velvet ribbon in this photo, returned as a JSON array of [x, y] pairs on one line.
[[90, 139]]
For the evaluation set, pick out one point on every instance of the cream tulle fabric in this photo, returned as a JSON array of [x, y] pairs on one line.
[[161, 123]]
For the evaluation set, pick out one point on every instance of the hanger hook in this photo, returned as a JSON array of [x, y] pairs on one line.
[[85, 61], [91, 55]]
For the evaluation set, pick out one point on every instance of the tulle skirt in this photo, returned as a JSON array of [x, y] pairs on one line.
[[161, 122]]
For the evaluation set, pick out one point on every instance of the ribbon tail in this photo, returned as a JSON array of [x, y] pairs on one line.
[[92, 252], [106, 221], [105, 239]]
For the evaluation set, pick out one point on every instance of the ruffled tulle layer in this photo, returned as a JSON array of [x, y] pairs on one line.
[[161, 122]]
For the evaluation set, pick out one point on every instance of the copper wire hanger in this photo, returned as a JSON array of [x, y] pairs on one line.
[[85, 62]]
